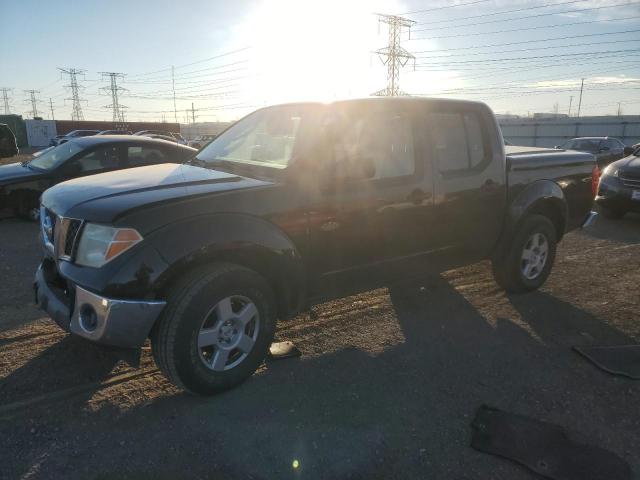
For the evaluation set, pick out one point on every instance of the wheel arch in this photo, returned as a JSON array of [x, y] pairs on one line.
[[243, 240], [543, 197]]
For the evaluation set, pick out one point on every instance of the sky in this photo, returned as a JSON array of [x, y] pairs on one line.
[[231, 57]]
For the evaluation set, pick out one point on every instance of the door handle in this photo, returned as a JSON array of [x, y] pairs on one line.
[[418, 196]]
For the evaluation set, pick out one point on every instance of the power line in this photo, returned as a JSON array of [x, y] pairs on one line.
[[395, 57], [539, 27], [550, 47], [504, 12], [6, 99], [528, 17], [192, 63], [528, 41], [76, 112], [445, 7], [584, 54], [115, 89], [33, 100]]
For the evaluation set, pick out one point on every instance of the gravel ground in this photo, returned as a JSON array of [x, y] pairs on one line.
[[387, 386]]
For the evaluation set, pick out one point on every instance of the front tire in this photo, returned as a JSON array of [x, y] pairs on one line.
[[216, 329], [528, 259]]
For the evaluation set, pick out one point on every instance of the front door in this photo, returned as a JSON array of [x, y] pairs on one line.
[[381, 210]]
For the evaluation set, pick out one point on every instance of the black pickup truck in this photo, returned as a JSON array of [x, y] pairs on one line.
[[203, 257]]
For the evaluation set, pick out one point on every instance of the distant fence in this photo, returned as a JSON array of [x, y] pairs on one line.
[[548, 133]]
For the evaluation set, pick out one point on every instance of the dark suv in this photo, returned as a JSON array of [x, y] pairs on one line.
[[606, 149], [290, 202]]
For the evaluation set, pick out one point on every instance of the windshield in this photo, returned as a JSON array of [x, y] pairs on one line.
[[268, 137], [56, 156]]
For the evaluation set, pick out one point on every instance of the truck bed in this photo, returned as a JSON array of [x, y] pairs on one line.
[[571, 170]]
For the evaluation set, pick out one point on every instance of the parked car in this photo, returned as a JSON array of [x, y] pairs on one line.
[[200, 141], [288, 202], [619, 188], [176, 137], [22, 183], [605, 149], [115, 132], [60, 139], [8, 144]]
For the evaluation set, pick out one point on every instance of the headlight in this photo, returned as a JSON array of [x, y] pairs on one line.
[[100, 244], [610, 171]]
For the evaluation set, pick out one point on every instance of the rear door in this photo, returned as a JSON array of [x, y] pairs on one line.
[[469, 177]]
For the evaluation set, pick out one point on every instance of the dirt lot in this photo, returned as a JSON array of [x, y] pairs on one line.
[[387, 385]]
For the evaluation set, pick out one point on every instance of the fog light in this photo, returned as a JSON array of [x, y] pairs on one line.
[[88, 318]]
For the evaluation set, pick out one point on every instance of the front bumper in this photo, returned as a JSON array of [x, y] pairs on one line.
[[612, 193], [121, 323]]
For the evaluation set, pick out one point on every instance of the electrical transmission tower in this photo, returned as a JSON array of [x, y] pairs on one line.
[[5, 99], [114, 89], [76, 112], [33, 101], [393, 55]]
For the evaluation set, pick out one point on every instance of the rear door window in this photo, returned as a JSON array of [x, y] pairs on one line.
[[139, 156], [459, 141]]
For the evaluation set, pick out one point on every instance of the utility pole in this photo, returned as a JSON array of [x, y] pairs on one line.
[[570, 102], [5, 99], [619, 109], [51, 107], [580, 101], [173, 86], [34, 102], [114, 90], [393, 55], [76, 112], [193, 114]]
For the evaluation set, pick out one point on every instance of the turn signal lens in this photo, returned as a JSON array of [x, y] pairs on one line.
[[122, 241], [99, 244]]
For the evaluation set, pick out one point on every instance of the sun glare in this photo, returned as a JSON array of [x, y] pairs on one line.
[[314, 51]]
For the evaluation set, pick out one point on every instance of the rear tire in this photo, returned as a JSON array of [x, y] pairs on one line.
[[612, 213], [526, 262], [216, 329], [28, 209]]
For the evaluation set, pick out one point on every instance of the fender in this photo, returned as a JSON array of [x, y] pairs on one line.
[[239, 238], [542, 196]]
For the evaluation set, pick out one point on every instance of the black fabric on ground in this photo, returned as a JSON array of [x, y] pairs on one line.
[[543, 448], [618, 360]]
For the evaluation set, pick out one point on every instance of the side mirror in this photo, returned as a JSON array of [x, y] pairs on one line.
[[557, 147]]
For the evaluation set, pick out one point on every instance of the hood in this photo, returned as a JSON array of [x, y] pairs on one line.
[[627, 166], [15, 172], [106, 196]]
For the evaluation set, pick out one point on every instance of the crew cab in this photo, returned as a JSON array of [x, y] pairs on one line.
[[202, 258]]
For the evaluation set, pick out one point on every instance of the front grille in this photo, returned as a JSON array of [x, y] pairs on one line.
[[71, 236], [630, 182], [60, 234]]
